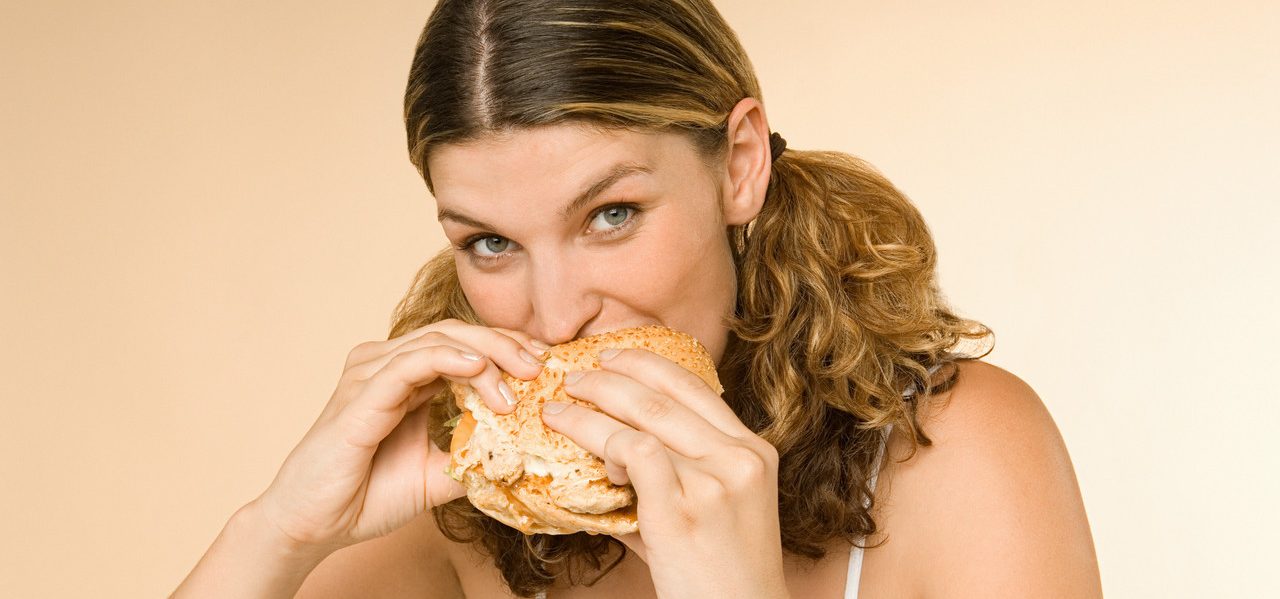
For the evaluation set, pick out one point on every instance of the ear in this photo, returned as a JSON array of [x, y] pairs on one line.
[[748, 164]]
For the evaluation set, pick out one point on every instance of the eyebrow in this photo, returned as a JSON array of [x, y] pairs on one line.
[[618, 172]]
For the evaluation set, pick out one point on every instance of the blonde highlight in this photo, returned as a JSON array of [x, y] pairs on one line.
[[838, 308]]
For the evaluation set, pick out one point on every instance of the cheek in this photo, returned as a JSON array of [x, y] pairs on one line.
[[491, 299], [690, 286], [675, 267]]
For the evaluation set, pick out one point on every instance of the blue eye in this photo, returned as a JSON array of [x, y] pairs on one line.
[[494, 244], [618, 218], [614, 213]]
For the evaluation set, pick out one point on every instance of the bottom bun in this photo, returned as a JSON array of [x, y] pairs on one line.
[[529, 509]]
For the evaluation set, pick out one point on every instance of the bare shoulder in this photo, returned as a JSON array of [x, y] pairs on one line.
[[992, 508], [412, 561]]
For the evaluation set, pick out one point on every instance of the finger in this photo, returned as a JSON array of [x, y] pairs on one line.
[[398, 470], [383, 400], [406, 453], [589, 429], [534, 346], [495, 393], [508, 353], [677, 382], [649, 465], [630, 456], [370, 350], [503, 347], [423, 394], [645, 409], [441, 488], [356, 375], [370, 367]]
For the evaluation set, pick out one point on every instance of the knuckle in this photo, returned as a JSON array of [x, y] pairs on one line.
[[657, 408], [515, 343], [769, 453], [610, 445], [513, 335], [413, 358], [366, 370], [401, 359], [432, 338], [362, 352], [648, 446], [513, 340], [746, 468], [689, 383]]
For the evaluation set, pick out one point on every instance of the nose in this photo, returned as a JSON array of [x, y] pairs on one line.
[[563, 301]]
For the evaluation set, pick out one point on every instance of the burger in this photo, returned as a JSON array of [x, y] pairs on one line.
[[535, 479]]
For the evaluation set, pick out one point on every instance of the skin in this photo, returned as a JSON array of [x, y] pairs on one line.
[[667, 262], [558, 280], [992, 509]]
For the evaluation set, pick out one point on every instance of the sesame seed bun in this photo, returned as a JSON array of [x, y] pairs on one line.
[[537, 480]]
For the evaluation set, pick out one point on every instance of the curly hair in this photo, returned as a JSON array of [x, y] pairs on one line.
[[838, 308]]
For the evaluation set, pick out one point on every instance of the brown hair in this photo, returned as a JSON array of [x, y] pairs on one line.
[[838, 307]]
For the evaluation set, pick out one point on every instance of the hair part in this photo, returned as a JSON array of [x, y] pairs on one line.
[[838, 308]]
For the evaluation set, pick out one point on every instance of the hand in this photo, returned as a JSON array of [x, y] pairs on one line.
[[707, 486], [366, 467]]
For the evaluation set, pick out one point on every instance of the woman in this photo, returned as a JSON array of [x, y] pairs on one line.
[[599, 165]]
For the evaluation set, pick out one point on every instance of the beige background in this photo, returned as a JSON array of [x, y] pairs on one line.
[[206, 204]]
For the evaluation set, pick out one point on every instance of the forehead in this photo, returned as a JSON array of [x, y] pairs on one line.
[[546, 162]]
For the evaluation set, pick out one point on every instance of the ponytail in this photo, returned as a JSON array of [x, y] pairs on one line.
[[838, 312]]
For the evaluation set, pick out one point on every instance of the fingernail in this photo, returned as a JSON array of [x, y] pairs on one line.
[[573, 377], [506, 393], [554, 407], [528, 357], [540, 345], [609, 353], [470, 356]]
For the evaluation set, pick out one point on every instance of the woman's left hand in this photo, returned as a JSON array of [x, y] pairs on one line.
[[707, 485]]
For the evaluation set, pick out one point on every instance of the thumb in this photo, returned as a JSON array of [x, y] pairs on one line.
[[441, 488]]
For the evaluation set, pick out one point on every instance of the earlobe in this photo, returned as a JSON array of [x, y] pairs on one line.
[[743, 205], [748, 162]]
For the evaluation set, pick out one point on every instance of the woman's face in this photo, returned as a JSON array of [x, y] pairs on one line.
[[563, 232]]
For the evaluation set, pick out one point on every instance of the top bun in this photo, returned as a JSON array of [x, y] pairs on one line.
[[537, 480]]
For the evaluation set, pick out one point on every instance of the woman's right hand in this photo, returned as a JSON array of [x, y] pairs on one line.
[[366, 467]]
